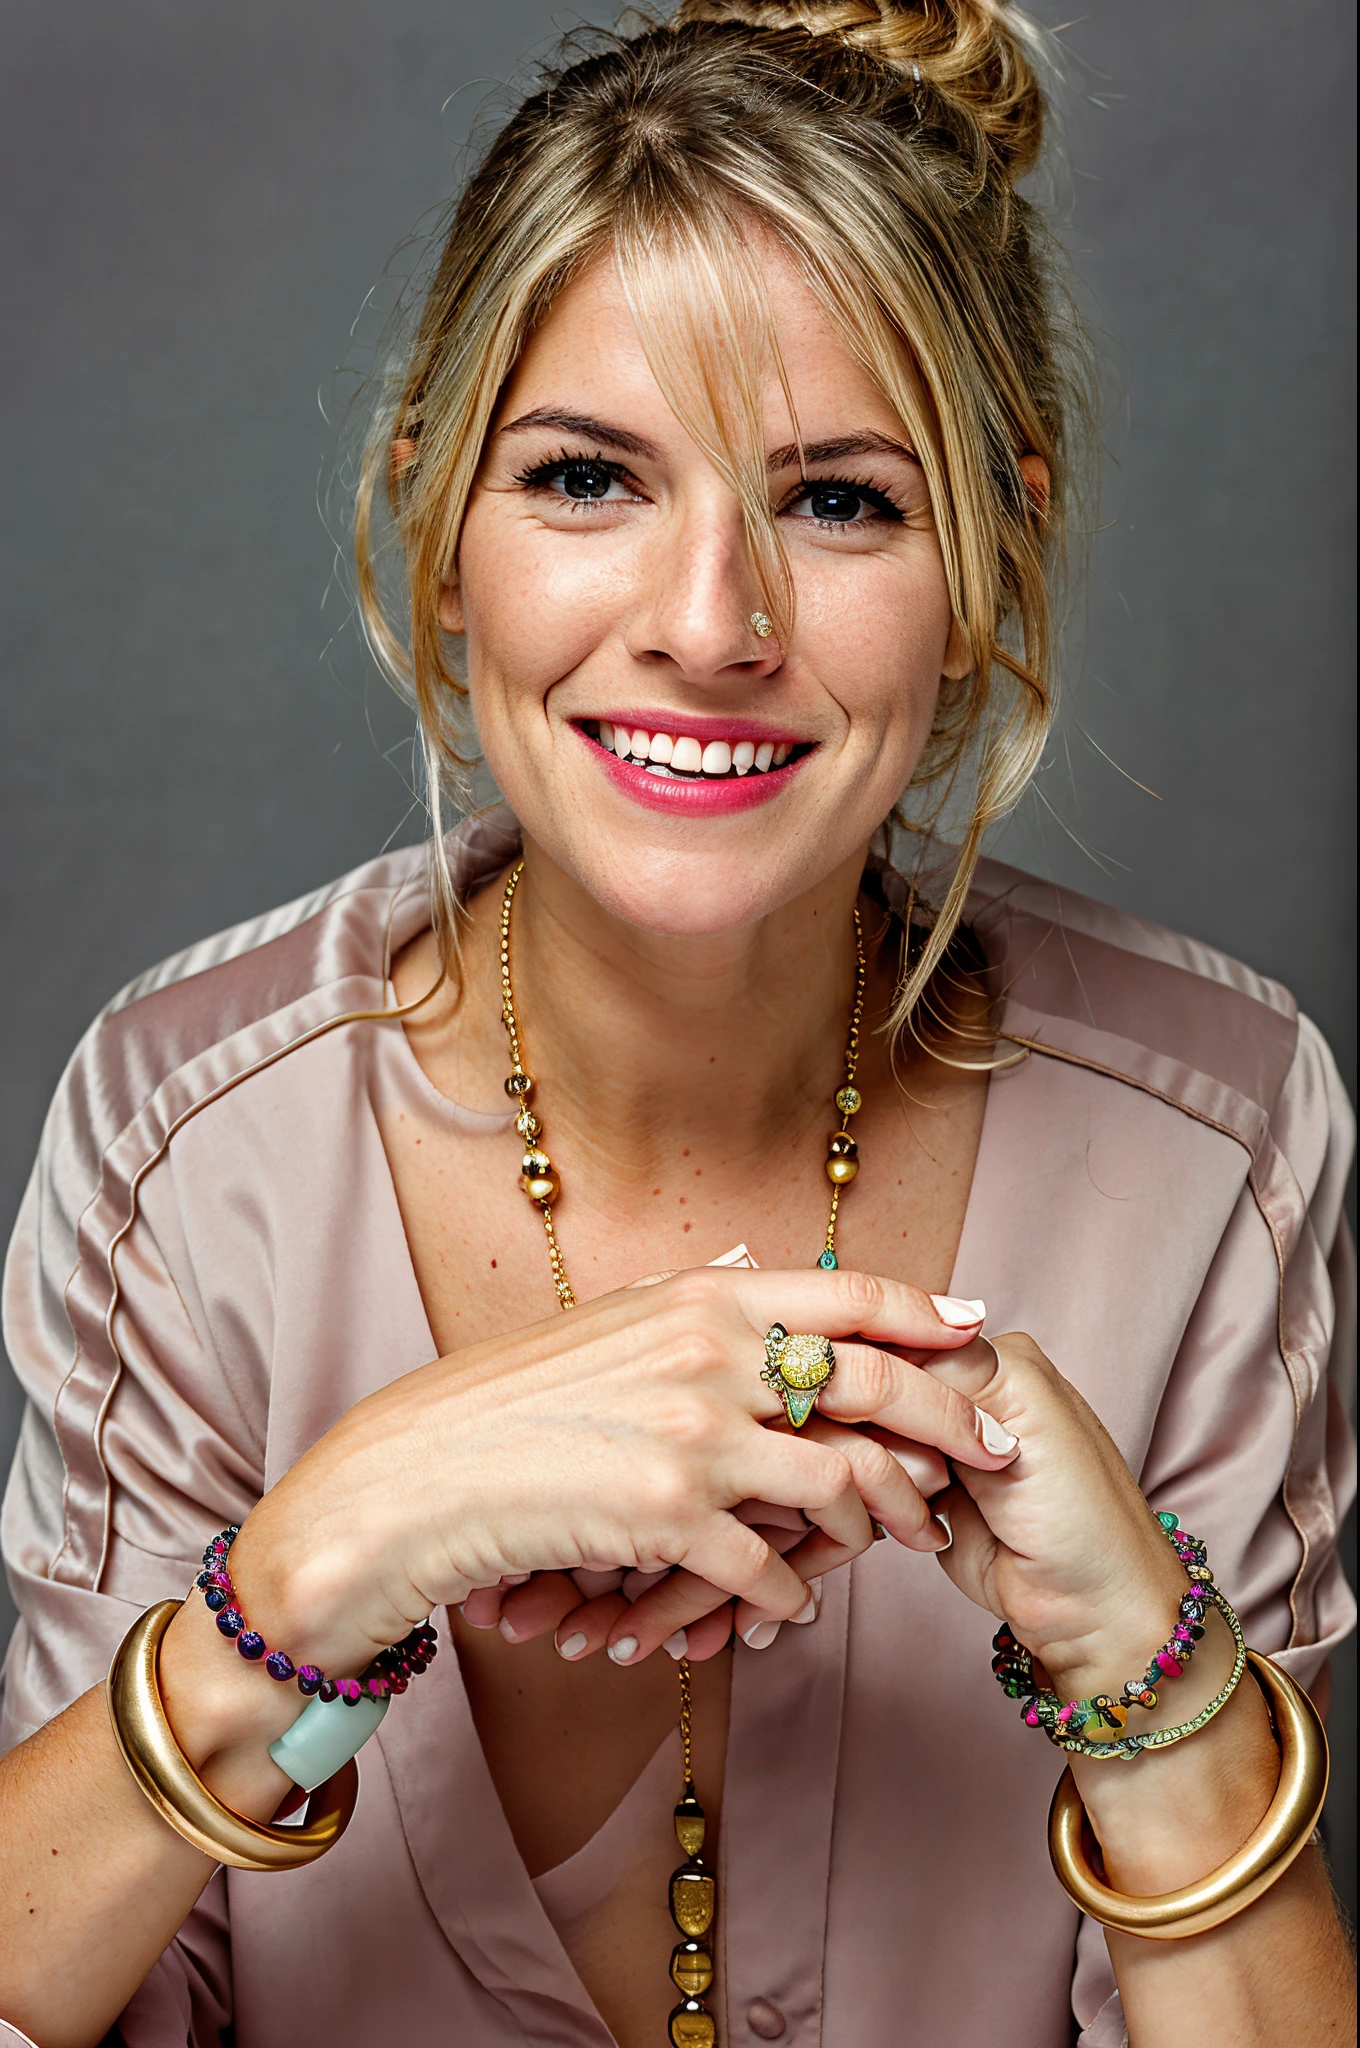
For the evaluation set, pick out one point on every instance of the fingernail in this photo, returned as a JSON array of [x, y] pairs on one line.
[[994, 1437], [760, 1635], [624, 1650], [676, 1645], [573, 1646], [474, 1624], [942, 1519], [880, 1533], [516, 1578], [960, 1315], [807, 1612], [506, 1630]]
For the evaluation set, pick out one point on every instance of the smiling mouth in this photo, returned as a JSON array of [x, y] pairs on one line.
[[678, 757]]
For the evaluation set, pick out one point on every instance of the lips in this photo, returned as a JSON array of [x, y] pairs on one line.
[[717, 768]]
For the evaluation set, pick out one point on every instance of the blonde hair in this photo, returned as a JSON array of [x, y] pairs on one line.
[[880, 146]]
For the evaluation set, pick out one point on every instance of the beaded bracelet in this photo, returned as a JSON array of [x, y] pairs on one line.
[[390, 1672], [1066, 1723]]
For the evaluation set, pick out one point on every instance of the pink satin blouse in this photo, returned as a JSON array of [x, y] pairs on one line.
[[210, 1268]]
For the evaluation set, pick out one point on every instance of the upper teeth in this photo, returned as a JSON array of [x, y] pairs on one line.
[[665, 750]]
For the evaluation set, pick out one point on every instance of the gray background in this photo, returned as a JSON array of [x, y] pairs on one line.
[[200, 199]]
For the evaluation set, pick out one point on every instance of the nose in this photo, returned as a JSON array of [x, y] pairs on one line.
[[694, 615]]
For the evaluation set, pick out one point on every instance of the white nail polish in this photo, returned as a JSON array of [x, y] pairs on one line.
[[807, 1612], [942, 1517], [573, 1646], [506, 1630], [960, 1315], [624, 1650], [677, 1645], [760, 1635], [994, 1437]]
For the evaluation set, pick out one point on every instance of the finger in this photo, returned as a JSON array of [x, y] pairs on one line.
[[735, 1561], [926, 1467], [531, 1610], [885, 1488], [845, 1303], [971, 1558], [870, 1385], [668, 1611], [711, 1633], [586, 1628], [482, 1608]]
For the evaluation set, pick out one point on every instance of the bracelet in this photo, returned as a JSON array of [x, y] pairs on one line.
[[1069, 1723], [163, 1772], [1264, 1857], [1127, 1746], [390, 1672]]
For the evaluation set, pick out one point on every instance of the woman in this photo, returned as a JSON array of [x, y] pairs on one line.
[[726, 476]]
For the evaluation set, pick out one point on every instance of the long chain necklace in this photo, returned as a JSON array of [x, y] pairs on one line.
[[693, 1891]]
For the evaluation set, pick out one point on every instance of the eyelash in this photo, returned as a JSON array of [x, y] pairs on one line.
[[540, 474]]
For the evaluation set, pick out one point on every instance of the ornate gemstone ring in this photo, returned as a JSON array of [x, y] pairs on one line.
[[799, 1368]]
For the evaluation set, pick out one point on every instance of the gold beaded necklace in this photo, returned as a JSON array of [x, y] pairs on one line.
[[693, 1891]]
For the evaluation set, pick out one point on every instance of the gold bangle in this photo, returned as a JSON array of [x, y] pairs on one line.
[[165, 1775], [1286, 1829]]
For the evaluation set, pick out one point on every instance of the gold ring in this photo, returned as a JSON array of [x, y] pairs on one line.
[[168, 1779], [1286, 1828], [799, 1368]]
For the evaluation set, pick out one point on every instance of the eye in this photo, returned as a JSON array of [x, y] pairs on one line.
[[582, 479], [833, 504], [587, 480]]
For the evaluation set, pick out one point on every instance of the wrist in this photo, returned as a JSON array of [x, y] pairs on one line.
[[219, 1707]]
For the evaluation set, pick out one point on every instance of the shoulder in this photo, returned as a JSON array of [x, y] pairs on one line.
[[1167, 1014], [190, 1028]]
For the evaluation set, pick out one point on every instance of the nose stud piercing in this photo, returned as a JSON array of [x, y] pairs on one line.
[[761, 625]]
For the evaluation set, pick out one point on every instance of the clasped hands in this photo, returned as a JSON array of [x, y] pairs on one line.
[[621, 1473]]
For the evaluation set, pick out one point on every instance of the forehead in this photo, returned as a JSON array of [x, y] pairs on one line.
[[589, 352]]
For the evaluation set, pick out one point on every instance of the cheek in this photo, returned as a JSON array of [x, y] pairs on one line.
[[877, 640], [532, 611]]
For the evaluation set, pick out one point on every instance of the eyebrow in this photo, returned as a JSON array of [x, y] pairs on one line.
[[606, 435], [602, 432], [836, 450]]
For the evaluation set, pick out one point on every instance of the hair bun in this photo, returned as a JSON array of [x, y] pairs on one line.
[[981, 56]]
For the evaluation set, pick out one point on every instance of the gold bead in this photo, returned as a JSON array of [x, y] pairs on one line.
[[692, 1899], [848, 1100], [841, 1170], [518, 1084], [691, 1968], [541, 1187], [689, 1825], [692, 2025], [527, 1124]]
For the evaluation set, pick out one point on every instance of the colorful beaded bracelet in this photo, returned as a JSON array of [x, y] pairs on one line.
[[390, 1672], [1069, 1723]]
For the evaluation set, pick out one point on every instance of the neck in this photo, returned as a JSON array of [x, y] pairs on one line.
[[642, 1045]]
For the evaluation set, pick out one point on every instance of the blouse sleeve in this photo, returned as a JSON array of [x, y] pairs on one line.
[[1252, 1446], [133, 1451]]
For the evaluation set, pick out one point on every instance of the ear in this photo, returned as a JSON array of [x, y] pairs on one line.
[[1034, 470], [451, 607]]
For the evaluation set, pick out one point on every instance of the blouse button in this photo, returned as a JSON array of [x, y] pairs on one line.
[[766, 2021]]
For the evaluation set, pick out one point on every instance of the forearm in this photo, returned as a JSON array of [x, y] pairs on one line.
[[94, 1884], [1278, 1973]]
